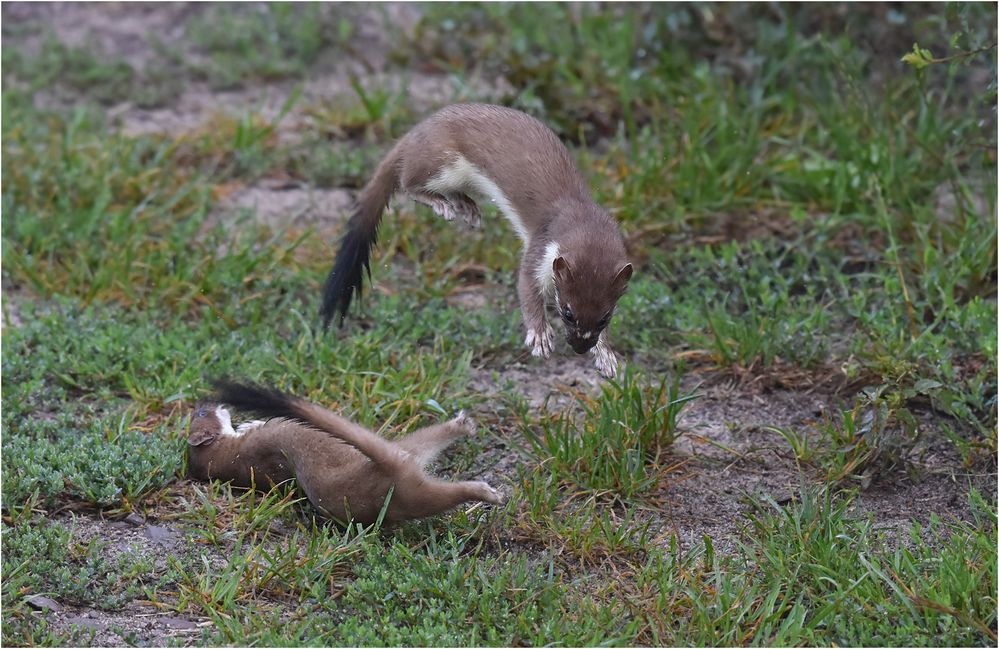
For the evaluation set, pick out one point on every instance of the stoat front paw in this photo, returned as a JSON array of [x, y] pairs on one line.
[[541, 343], [463, 422], [605, 359], [243, 428]]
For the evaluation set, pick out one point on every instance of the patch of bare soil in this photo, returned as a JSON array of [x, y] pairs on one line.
[[124, 543], [119, 29], [130, 31], [278, 204], [728, 455], [131, 624], [198, 104]]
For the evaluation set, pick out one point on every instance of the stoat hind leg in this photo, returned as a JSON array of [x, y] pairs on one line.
[[450, 206], [437, 496], [425, 444]]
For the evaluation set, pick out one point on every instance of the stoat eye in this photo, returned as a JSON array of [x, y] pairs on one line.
[[568, 316], [604, 321]]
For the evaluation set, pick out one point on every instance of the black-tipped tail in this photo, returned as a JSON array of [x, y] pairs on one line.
[[257, 399], [347, 276], [354, 256]]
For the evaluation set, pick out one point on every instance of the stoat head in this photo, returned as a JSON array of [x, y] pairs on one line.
[[587, 289], [208, 422]]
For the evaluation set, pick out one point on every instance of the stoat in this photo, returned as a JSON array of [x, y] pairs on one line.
[[345, 470], [574, 256]]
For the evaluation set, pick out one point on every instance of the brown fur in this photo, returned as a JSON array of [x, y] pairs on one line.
[[447, 162], [345, 470]]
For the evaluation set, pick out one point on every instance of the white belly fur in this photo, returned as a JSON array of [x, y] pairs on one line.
[[463, 176]]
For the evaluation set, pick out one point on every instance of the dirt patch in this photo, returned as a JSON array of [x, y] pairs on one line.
[[541, 382], [727, 456], [133, 624], [122, 544], [199, 104], [277, 205], [138, 33], [119, 29]]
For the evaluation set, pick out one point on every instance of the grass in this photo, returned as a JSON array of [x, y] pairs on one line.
[[810, 574], [617, 445], [805, 212], [272, 41]]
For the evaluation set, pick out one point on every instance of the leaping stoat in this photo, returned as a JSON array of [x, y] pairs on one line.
[[574, 255], [345, 470]]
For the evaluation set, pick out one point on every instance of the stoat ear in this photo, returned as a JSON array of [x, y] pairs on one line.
[[561, 269], [200, 437], [622, 277], [202, 431]]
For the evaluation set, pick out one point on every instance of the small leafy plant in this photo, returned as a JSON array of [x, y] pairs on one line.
[[617, 444]]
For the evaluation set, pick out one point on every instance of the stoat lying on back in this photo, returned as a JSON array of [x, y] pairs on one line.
[[345, 470], [574, 255]]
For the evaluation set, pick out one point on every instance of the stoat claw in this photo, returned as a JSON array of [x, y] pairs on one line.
[[490, 495], [605, 359], [541, 343], [465, 423], [452, 207]]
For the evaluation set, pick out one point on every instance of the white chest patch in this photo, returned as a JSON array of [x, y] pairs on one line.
[[463, 176], [226, 422], [544, 273]]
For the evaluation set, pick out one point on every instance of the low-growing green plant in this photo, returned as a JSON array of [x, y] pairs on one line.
[[859, 444], [226, 514], [616, 448], [323, 162], [810, 574], [588, 530], [440, 595], [43, 558], [306, 566], [87, 70], [106, 463]]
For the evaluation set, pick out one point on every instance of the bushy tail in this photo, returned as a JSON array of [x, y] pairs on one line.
[[269, 402], [354, 256]]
